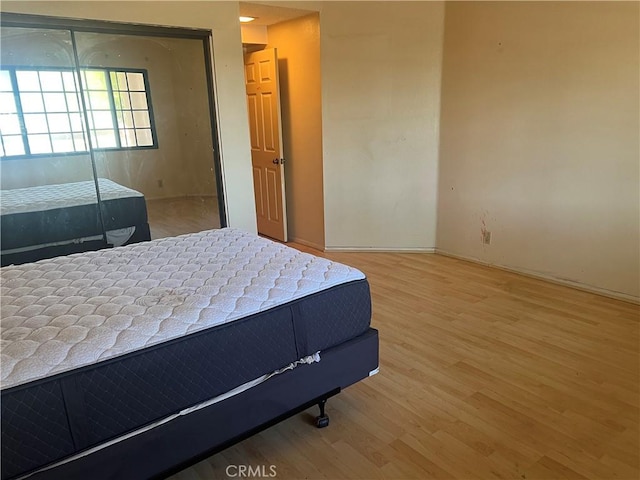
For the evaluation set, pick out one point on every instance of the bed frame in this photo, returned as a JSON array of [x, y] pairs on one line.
[[191, 376], [176, 445]]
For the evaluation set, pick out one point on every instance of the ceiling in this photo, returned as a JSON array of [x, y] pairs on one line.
[[268, 14]]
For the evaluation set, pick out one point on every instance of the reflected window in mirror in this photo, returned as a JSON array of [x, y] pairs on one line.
[[41, 112]]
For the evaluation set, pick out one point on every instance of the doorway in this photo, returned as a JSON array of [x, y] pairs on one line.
[[262, 85], [295, 35]]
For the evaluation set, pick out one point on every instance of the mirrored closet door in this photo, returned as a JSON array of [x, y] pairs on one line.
[[150, 106], [107, 139]]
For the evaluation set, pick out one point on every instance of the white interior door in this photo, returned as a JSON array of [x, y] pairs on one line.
[[265, 125]]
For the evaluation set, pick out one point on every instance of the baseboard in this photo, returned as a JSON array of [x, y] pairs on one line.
[[306, 243], [382, 249], [541, 276]]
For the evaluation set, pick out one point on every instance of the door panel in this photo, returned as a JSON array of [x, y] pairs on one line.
[[268, 121], [272, 189], [252, 105], [263, 108], [257, 189]]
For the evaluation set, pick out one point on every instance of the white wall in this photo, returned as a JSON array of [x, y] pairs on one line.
[[381, 68], [540, 139], [222, 19]]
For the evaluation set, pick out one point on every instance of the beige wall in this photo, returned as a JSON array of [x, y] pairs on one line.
[[381, 68], [298, 45], [183, 161], [540, 139], [254, 34], [222, 19]]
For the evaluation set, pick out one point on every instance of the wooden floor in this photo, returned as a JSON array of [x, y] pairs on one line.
[[483, 374], [169, 217]]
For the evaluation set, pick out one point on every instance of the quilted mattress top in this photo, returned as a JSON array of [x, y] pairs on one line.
[[69, 312], [49, 197]]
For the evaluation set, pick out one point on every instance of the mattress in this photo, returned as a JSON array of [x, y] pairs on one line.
[[50, 197], [48, 214], [98, 344]]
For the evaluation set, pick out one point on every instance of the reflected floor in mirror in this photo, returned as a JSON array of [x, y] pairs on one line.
[[169, 217]]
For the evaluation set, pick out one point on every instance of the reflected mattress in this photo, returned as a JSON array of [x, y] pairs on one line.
[[59, 213]]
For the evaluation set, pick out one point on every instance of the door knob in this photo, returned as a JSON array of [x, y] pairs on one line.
[[276, 161]]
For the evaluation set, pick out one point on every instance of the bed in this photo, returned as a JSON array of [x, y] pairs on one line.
[[51, 220], [137, 361]]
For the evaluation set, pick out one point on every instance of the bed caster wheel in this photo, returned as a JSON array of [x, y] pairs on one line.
[[322, 421]]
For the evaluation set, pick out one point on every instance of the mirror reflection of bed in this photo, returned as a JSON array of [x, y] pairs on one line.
[[45, 221], [147, 170]]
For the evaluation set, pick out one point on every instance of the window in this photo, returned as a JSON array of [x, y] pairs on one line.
[[41, 112]]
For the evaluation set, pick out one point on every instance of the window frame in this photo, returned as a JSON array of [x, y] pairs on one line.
[[82, 90]]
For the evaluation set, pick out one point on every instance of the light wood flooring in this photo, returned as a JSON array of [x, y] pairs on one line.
[[483, 374], [169, 217]]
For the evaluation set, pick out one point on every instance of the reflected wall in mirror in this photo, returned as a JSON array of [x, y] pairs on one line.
[[160, 104], [39, 110], [48, 197], [144, 170]]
